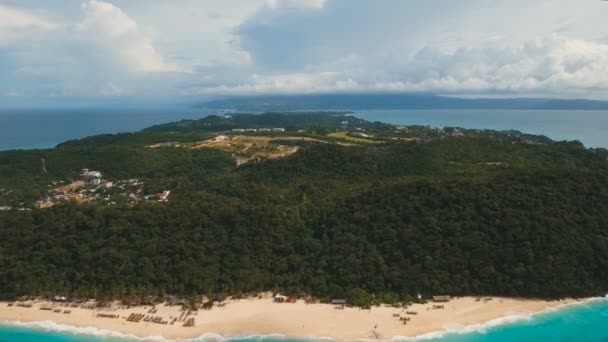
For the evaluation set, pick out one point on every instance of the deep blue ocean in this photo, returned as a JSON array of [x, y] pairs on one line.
[[44, 128], [27, 129], [586, 322], [589, 127]]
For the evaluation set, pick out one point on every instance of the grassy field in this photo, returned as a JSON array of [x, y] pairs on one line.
[[345, 136]]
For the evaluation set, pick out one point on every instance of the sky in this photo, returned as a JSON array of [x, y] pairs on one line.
[[133, 51]]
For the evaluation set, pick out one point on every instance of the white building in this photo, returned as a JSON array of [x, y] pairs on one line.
[[86, 174]]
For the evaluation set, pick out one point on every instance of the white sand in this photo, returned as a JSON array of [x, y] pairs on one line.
[[262, 317]]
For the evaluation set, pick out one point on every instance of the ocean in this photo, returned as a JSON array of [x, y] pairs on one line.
[[589, 127], [45, 128], [28, 129], [587, 322]]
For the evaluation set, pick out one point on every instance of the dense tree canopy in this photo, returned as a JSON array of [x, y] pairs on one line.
[[459, 215]]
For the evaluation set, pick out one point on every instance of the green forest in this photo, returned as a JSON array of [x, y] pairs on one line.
[[473, 213]]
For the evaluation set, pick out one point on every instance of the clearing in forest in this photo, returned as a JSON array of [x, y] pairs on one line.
[[72, 187], [246, 148]]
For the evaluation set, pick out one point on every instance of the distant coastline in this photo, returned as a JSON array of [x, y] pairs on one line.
[[262, 317], [35, 129], [395, 101]]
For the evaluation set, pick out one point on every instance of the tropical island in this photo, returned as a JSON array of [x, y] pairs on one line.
[[322, 209]]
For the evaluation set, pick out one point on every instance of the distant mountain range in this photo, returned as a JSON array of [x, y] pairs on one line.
[[395, 101]]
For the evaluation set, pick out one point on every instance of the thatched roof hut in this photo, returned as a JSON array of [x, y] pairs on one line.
[[442, 299]]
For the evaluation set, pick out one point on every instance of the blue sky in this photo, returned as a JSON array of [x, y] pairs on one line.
[[120, 51]]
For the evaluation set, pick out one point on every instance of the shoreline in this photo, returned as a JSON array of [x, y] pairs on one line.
[[300, 321]]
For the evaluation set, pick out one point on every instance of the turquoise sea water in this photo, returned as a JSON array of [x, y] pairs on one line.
[[582, 323], [26, 129]]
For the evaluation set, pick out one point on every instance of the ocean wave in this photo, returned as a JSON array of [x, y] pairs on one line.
[[481, 328], [460, 329], [50, 326]]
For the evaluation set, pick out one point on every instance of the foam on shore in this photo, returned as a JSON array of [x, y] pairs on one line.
[[50, 326], [482, 328]]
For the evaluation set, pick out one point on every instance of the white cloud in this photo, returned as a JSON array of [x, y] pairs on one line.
[[295, 4], [13, 93], [127, 48], [557, 64], [111, 89], [289, 83], [116, 31], [551, 65], [15, 24], [15, 18]]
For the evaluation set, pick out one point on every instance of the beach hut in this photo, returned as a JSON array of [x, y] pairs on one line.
[[442, 299], [338, 301], [280, 298], [172, 300]]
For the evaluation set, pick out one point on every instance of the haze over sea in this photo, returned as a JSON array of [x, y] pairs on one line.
[[28, 129], [582, 322]]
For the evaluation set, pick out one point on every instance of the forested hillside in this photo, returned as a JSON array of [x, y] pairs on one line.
[[460, 214]]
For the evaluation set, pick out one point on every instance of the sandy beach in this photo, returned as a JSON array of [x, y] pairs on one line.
[[257, 316]]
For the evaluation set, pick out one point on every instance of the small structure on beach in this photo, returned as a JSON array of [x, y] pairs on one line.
[[442, 299], [172, 300], [280, 298], [338, 301], [60, 299]]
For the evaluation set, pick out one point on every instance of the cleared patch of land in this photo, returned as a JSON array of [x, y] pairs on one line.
[[251, 148], [246, 148], [350, 138], [72, 187], [495, 164]]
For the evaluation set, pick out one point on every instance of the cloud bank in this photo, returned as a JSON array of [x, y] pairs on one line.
[[112, 29], [199, 48]]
